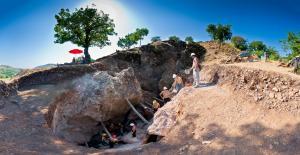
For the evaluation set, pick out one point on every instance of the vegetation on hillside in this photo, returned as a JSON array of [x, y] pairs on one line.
[[219, 32], [292, 45], [156, 38], [239, 43], [8, 72], [133, 38], [174, 38], [189, 39]]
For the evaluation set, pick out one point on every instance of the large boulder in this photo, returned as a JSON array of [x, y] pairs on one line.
[[100, 96]]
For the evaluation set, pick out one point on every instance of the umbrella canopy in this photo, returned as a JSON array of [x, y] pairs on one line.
[[75, 51]]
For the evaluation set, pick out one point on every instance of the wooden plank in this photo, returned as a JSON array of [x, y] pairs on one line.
[[105, 129], [133, 108]]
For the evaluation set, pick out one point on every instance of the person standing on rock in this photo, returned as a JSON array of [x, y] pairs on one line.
[[196, 70]]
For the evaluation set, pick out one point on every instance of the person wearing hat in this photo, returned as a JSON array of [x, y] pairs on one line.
[[165, 95], [155, 105], [196, 70], [133, 130], [177, 84]]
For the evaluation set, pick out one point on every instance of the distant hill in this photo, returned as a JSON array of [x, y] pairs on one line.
[[8, 71]]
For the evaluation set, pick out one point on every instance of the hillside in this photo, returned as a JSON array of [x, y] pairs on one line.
[[240, 108], [8, 72], [215, 52]]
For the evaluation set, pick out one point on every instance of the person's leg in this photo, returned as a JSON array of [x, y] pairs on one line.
[[194, 77], [197, 78]]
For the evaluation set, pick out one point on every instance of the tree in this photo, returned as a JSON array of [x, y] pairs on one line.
[[219, 32], [239, 42], [292, 44], [140, 34], [273, 53], [189, 39], [128, 41], [156, 38], [84, 27], [257, 47], [132, 38], [174, 38]]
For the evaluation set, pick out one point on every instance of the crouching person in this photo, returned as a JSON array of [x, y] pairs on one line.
[[177, 84]]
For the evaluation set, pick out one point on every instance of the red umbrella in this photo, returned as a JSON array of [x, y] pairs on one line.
[[75, 51]]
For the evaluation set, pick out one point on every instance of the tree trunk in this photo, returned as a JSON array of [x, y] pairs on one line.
[[87, 57]]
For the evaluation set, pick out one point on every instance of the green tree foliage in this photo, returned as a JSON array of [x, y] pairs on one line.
[[8, 72], [219, 32], [292, 44], [239, 42], [189, 39], [139, 34], [128, 41], [156, 38], [273, 53], [174, 38], [257, 47], [133, 38], [84, 27]]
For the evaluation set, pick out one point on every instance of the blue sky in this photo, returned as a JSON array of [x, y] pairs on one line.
[[26, 27]]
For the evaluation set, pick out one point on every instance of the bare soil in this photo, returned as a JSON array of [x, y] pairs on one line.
[[213, 120], [217, 121]]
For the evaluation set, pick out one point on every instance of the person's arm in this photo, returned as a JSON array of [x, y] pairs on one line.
[[161, 94]]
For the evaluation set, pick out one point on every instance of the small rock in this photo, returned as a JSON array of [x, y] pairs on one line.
[[275, 89], [272, 95], [205, 142]]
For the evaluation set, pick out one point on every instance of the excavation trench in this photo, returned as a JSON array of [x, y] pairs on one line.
[[117, 132]]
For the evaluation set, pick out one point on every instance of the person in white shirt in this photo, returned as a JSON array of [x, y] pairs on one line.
[[196, 70]]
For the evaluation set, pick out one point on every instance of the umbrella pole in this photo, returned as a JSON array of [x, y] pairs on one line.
[[133, 108]]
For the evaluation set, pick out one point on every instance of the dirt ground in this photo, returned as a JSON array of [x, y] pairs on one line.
[[23, 127], [214, 120], [267, 66], [217, 121]]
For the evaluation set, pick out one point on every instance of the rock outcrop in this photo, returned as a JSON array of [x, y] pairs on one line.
[[96, 97], [153, 65]]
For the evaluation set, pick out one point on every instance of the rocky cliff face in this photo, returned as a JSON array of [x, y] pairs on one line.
[[155, 63], [96, 97]]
